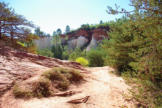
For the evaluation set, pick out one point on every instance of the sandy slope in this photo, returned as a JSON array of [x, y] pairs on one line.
[[105, 90]]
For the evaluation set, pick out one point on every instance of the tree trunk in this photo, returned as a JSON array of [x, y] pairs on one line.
[[0, 31], [12, 38], [0, 34]]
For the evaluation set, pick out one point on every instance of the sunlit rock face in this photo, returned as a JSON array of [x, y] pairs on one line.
[[44, 42], [81, 38], [85, 39], [93, 44], [72, 44], [81, 42]]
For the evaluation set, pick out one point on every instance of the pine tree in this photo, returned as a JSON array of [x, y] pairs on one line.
[[59, 31], [13, 26], [67, 29], [135, 45]]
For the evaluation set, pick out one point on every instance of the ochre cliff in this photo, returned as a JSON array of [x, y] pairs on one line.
[[88, 37], [83, 38]]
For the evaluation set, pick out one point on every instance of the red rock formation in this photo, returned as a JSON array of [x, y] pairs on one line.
[[82, 32], [98, 33], [93, 37], [16, 65]]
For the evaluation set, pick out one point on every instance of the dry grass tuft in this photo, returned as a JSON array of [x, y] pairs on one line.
[[59, 78]]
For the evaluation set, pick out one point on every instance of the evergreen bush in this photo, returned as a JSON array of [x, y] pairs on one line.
[[95, 58]]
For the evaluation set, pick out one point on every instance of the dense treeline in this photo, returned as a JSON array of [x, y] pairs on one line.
[[135, 49]]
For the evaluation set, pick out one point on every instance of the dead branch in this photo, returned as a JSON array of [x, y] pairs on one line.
[[78, 101], [68, 93]]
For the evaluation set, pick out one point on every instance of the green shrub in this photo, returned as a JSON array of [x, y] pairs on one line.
[[58, 51], [77, 53], [82, 61], [95, 58], [135, 47], [65, 55], [45, 52]]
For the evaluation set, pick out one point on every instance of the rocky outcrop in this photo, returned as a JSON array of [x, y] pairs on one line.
[[81, 38], [79, 42], [93, 44], [72, 44], [17, 66], [44, 42]]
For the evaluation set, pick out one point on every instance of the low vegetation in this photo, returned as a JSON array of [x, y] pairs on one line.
[[20, 92], [95, 58], [41, 88], [56, 78], [45, 52], [82, 61]]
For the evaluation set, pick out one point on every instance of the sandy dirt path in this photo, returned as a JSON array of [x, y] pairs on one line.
[[105, 90]]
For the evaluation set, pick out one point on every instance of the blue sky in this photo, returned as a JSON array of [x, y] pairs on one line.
[[52, 14]]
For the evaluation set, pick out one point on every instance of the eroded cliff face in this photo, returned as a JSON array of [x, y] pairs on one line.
[[85, 39], [44, 42], [81, 38]]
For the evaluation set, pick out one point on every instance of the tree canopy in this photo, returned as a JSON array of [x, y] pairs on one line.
[[15, 27], [67, 30], [135, 46], [12, 24]]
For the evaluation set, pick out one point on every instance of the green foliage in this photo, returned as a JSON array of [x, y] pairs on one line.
[[16, 27], [21, 44], [67, 29], [57, 48], [40, 33], [117, 48], [101, 22], [59, 31], [82, 61], [65, 55], [45, 52], [85, 27], [58, 51], [95, 58], [76, 53], [135, 47]]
